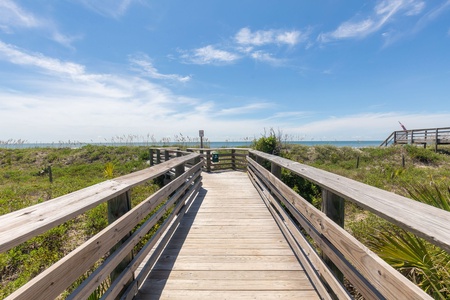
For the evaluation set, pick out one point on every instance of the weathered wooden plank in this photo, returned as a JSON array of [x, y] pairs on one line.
[[224, 295], [238, 242], [220, 248], [228, 251], [228, 275], [230, 284], [217, 262], [267, 228]]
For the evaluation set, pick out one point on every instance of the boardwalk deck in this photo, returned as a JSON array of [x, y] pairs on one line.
[[227, 246]]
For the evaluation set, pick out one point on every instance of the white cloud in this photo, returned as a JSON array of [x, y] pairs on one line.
[[62, 101], [267, 58], [263, 37], [147, 69], [368, 126], [108, 8], [20, 57], [210, 55], [432, 15], [382, 14], [246, 43], [289, 37], [290, 115], [240, 110], [13, 17], [416, 9]]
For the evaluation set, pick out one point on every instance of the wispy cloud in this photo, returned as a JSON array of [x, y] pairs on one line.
[[14, 18], [65, 93], [210, 55], [289, 115], [366, 126], [267, 58], [11, 16], [246, 109], [20, 57], [108, 8], [383, 13], [146, 68], [262, 37], [432, 15], [247, 43]]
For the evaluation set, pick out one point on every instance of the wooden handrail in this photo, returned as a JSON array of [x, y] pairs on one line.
[[24, 224], [229, 158], [419, 136], [424, 220], [21, 225], [373, 277], [390, 139]]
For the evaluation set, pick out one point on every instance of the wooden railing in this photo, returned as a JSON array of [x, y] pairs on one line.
[[227, 158], [434, 136], [371, 276], [122, 235], [341, 255]]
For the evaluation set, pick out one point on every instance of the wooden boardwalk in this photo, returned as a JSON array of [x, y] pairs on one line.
[[227, 246]]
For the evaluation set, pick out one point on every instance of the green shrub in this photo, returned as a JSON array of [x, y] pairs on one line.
[[309, 191], [268, 144], [422, 155]]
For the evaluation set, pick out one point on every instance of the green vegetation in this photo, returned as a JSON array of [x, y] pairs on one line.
[[411, 171], [24, 181], [268, 143]]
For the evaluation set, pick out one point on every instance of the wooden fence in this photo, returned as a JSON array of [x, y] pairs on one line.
[[227, 158], [430, 136], [371, 276], [122, 235]]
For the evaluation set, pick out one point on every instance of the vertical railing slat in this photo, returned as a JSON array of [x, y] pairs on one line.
[[334, 208], [117, 207]]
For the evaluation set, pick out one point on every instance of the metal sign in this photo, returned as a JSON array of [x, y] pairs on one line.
[[201, 133]]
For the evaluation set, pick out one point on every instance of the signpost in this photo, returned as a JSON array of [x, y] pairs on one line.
[[201, 133]]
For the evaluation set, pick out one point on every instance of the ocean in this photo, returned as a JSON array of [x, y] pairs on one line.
[[226, 144]]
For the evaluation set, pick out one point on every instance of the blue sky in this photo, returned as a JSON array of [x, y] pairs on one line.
[[314, 70]]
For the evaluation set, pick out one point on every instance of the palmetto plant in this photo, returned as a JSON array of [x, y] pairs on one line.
[[425, 264], [108, 172]]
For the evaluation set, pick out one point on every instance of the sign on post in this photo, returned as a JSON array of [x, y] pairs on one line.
[[201, 133]]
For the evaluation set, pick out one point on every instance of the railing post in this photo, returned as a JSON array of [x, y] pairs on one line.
[[275, 170], [166, 155], [151, 157], [179, 170], [259, 160], [208, 160], [158, 156], [117, 207], [436, 141], [334, 207], [233, 159]]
